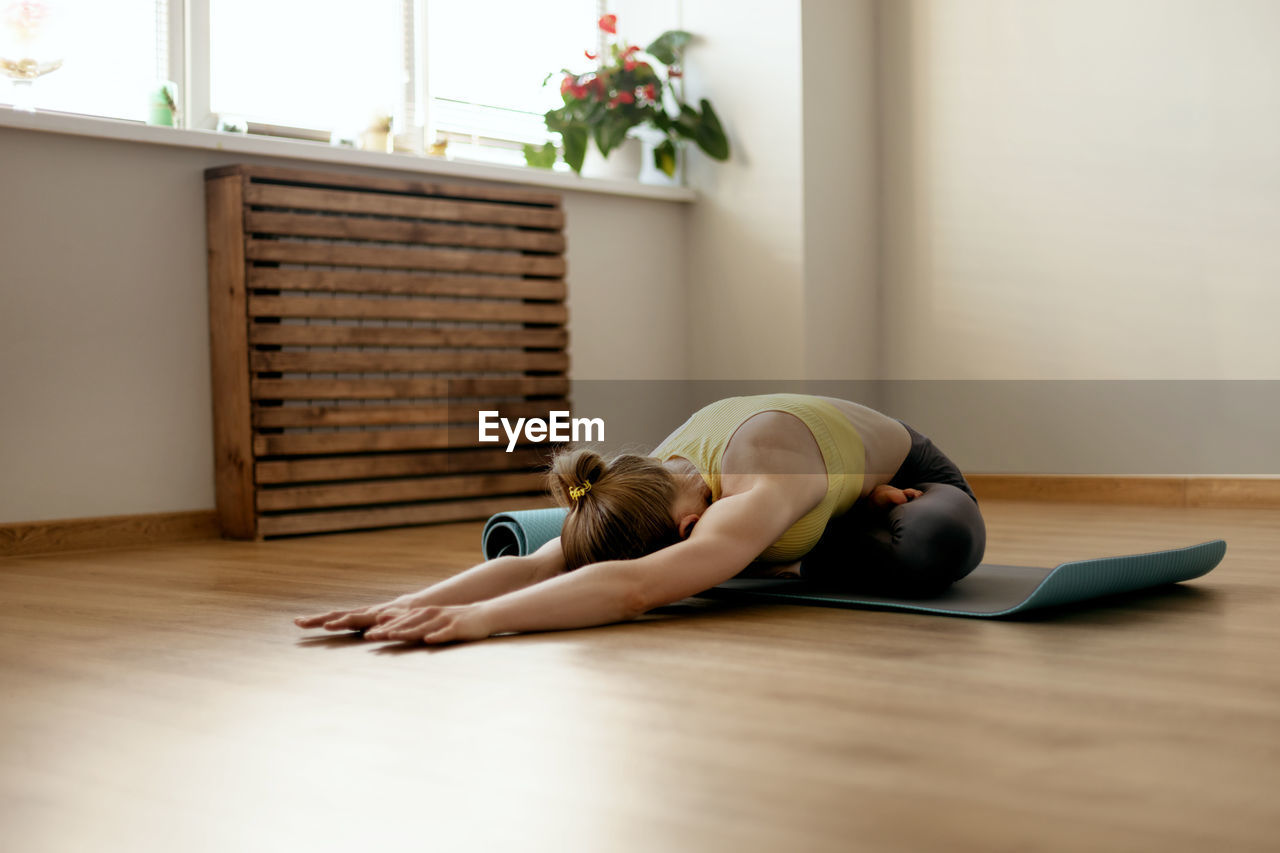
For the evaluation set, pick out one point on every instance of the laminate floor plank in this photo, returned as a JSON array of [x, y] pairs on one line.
[[161, 699]]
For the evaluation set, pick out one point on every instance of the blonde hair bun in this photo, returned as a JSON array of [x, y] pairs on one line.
[[619, 508], [574, 469]]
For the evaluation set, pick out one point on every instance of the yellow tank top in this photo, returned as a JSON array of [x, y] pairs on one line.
[[703, 438]]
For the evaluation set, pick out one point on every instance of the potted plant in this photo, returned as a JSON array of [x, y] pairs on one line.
[[626, 91]]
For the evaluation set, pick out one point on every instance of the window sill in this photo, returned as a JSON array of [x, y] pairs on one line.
[[128, 131]]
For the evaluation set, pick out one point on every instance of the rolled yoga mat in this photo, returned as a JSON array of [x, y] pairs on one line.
[[989, 590], [522, 532]]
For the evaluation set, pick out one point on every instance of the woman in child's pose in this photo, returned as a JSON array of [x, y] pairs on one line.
[[784, 485]]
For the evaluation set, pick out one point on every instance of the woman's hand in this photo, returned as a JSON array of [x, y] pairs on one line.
[[433, 624], [356, 619]]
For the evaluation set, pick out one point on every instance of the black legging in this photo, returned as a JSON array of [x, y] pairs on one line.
[[912, 550]]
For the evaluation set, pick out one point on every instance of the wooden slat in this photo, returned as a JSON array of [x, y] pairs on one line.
[[401, 231], [399, 465], [313, 416], [473, 311], [366, 519], [404, 362], [406, 283], [490, 192], [389, 257], [298, 335], [385, 204], [399, 491], [374, 441], [390, 389], [228, 357]]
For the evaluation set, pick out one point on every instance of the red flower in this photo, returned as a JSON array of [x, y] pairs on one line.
[[571, 86], [622, 98], [628, 63], [589, 55], [609, 23], [675, 72], [651, 92]]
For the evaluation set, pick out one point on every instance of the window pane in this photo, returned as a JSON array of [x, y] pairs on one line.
[[487, 61], [108, 52], [324, 64]]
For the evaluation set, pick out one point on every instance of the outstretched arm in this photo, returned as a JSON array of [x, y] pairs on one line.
[[731, 534], [487, 580]]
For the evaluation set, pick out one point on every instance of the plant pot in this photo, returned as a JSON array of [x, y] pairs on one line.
[[623, 163], [650, 173]]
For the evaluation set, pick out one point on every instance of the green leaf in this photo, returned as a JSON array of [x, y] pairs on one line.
[[575, 146], [540, 158], [710, 135], [687, 124], [609, 134], [664, 157], [667, 47], [661, 120], [555, 120]]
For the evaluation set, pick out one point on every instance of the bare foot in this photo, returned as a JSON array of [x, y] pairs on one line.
[[887, 497]]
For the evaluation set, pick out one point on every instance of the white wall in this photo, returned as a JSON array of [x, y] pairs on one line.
[[841, 190], [105, 405], [745, 265], [1081, 189], [783, 261], [971, 189]]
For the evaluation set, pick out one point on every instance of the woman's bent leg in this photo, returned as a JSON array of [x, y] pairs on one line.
[[912, 550]]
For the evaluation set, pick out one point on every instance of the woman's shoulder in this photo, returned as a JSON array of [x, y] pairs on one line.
[[770, 426], [773, 442]]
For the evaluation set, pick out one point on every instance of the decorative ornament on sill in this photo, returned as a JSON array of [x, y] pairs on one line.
[[624, 97], [27, 30], [164, 105], [228, 123], [377, 136]]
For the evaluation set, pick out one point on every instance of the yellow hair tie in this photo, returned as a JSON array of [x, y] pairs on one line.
[[576, 492]]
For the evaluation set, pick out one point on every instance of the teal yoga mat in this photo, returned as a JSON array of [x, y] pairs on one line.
[[521, 532], [990, 590]]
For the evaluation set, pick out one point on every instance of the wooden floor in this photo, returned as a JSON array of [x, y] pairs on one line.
[[161, 699]]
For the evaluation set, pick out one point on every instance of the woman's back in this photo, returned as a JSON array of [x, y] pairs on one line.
[[795, 437]]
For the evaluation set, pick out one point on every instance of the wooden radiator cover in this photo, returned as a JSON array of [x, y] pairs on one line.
[[357, 326]]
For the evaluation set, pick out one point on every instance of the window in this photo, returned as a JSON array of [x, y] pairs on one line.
[[330, 65], [486, 63], [471, 71], [112, 53]]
